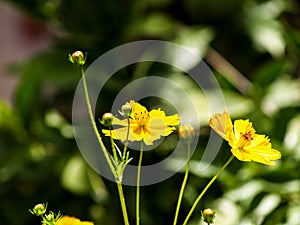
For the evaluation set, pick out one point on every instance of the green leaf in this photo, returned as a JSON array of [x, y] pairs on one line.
[[74, 177], [282, 93]]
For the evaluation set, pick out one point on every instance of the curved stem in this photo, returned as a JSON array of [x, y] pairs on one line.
[[138, 180], [120, 188], [87, 98], [205, 189], [183, 184]]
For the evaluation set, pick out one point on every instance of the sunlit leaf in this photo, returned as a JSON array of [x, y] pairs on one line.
[[74, 177], [284, 92], [265, 30], [195, 39], [292, 137], [265, 207]]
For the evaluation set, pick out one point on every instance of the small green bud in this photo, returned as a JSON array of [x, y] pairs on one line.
[[208, 216], [77, 58], [107, 119], [126, 110], [49, 217], [186, 132], [39, 209]]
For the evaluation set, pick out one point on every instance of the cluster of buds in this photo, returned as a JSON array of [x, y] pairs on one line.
[[107, 118], [47, 218]]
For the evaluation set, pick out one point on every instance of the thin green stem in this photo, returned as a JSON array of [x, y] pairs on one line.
[[112, 168], [123, 204], [183, 183], [126, 141], [205, 189], [87, 98], [138, 180], [113, 148]]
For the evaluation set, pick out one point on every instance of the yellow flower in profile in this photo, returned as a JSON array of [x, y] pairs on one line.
[[69, 220], [245, 144], [143, 125]]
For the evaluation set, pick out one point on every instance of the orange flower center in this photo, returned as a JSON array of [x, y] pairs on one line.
[[245, 139], [247, 136], [141, 118]]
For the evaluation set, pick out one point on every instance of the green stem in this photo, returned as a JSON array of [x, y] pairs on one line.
[[183, 184], [126, 141], [87, 98], [120, 188], [138, 180], [113, 148], [123, 204], [205, 189]]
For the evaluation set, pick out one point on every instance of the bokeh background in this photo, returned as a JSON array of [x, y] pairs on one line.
[[253, 48]]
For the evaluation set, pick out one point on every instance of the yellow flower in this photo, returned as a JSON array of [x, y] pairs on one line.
[[143, 125], [245, 144], [68, 220]]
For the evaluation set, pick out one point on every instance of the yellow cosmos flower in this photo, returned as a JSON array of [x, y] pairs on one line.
[[143, 125], [68, 220], [245, 144]]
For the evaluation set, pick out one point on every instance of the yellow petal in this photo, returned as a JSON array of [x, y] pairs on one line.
[[243, 127], [240, 155], [117, 121], [259, 150], [139, 133], [86, 223], [157, 124], [222, 124], [167, 120], [137, 107], [172, 120], [69, 220], [120, 133]]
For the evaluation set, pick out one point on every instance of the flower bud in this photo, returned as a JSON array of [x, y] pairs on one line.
[[208, 215], [126, 110], [186, 132], [39, 209], [77, 58], [107, 119], [49, 217]]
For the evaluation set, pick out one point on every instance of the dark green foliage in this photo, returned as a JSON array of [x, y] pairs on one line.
[[39, 158]]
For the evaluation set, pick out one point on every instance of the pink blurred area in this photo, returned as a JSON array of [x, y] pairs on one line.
[[21, 36]]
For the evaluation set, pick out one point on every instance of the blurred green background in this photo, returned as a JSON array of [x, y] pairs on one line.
[[253, 47]]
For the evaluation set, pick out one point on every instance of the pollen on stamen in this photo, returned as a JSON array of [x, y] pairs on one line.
[[247, 136]]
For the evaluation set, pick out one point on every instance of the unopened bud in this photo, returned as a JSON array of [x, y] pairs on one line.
[[208, 215], [126, 110], [50, 217], [77, 58], [39, 209], [186, 131], [107, 119]]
